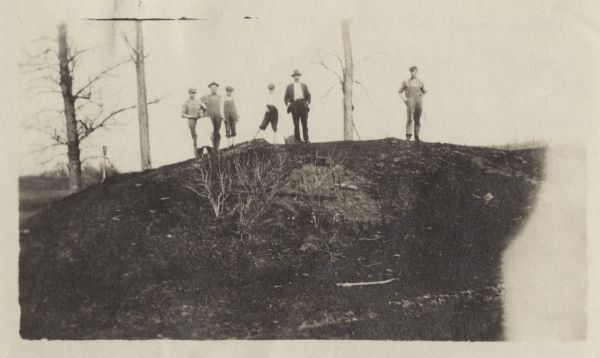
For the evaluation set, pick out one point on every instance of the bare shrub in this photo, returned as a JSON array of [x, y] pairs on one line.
[[211, 180], [260, 175], [316, 182]]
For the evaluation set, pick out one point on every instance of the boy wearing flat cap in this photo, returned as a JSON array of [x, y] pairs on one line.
[[214, 109], [414, 90], [230, 114], [192, 110]]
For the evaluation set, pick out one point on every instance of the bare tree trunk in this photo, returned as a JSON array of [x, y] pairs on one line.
[[142, 102], [66, 85], [348, 80]]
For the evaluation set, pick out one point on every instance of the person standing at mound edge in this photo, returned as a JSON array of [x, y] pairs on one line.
[[193, 109], [271, 115], [230, 114], [214, 110], [297, 100], [414, 90]]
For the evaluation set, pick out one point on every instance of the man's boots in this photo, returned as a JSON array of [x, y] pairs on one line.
[[408, 136]]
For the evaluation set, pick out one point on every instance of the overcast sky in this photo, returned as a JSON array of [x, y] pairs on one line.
[[496, 72]]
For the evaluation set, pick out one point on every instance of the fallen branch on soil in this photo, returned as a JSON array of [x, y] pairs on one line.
[[373, 264], [346, 186], [305, 326], [369, 283]]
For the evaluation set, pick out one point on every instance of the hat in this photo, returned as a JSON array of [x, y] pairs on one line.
[[271, 86], [229, 89], [413, 68], [213, 84], [192, 90], [296, 73]]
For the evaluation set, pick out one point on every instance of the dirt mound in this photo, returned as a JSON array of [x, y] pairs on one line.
[[348, 240]]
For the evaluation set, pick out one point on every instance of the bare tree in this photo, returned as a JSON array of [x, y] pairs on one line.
[[66, 85], [348, 80], [345, 79], [141, 89], [83, 107], [138, 56]]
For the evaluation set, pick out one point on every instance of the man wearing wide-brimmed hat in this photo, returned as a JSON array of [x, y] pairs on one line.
[[297, 100], [214, 109]]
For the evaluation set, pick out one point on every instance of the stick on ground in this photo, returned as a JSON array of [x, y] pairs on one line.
[[370, 283]]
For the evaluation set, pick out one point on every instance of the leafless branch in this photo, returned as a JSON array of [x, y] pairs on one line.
[[78, 53], [211, 179], [330, 88], [368, 97], [48, 78], [93, 157], [91, 126], [341, 62], [43, 38], [47, 110], [31, 67], [104, 121], [134, 53], [53, 157], [39, 93], [44, 53], [259, 178], [87, 96], [57, 137], [360, 84], [332, 71], [370, 102], [45, 148], [99, 76], [83, 129]]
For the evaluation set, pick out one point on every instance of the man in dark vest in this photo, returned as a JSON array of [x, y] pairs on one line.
[[297, 100], [214, 109]]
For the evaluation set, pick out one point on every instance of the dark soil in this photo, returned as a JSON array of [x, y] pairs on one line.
[[141, 256]]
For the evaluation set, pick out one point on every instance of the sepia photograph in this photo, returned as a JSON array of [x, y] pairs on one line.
[[303, 171]]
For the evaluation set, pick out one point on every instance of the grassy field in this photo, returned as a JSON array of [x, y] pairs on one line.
[[36, 192], [353, 240]]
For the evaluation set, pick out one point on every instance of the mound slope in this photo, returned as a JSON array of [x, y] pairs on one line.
[[400, 241]]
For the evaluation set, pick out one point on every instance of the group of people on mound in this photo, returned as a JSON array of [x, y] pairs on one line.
[[207, 114]]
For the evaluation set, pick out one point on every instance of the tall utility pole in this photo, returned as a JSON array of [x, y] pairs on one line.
[[348, 80], [66, 86], [142, 101]]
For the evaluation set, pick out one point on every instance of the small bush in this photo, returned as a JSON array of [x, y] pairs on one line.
[[316, 182], [211, 179], [260, 176]]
